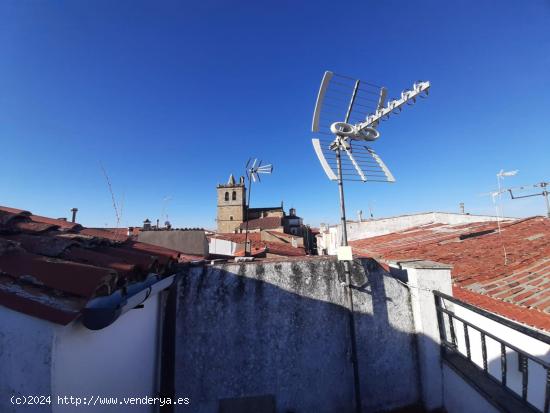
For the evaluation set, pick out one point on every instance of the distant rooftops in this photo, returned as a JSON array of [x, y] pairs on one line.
[[515, 285], [50, 268], [260, 246], [262, 223]]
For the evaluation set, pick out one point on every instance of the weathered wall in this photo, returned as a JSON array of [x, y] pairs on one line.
[[25, 359], [188, 242], [281, 328]]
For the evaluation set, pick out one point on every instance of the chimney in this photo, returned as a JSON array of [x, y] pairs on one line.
[[74, 211], [360, 215], [461, 208], [158, 224]]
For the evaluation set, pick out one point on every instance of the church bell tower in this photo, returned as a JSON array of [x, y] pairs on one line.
[[231, 205]]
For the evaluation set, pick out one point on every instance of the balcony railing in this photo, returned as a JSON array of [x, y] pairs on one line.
[[460, 336]]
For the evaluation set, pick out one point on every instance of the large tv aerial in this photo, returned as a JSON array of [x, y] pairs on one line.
[[346, 115]]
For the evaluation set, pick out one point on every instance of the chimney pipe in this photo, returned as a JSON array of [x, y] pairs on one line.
[[74, 211], [360, 215], [462, 208]]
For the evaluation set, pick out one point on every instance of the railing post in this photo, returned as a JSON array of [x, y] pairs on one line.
[[440, 318]]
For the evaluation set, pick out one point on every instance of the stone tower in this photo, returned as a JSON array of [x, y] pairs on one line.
[[231, 204]]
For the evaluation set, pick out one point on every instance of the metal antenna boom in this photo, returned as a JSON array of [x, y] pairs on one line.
[[543, 193]]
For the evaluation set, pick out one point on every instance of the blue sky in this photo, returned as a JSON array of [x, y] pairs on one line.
[[172, 97]]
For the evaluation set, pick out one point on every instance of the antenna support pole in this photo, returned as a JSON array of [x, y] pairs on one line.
[[347, 270], [344, 238], [247, 253], [545, 194]]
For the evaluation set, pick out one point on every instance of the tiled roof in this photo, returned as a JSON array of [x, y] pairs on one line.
[[277, 208], [263, 223], [517, 287], [282, 234], [51, 268], [284, 250]]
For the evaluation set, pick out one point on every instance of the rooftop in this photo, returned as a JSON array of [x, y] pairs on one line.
[[50, 268], [263, 223], [258, 245], [506, 272]]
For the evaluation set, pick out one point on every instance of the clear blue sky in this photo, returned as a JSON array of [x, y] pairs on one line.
[[172, 97]]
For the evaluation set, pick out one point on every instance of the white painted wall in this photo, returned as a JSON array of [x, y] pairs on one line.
[[328, 240], [222, 247], [25, 359], [460, 397], [375, 227], [537, 375], [42, 358], [117, 361]]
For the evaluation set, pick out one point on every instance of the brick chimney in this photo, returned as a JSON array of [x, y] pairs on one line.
[[74, 211]]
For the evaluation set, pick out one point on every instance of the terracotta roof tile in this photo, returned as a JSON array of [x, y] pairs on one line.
[[263, 223], [516, 286], [50, 268]]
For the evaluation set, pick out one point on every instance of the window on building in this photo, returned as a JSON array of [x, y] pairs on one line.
[[234, 196], [227, 196], [231, 217]]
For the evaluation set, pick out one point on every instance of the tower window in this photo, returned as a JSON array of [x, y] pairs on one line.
[[231, 217], [227, 196], [234, 196]]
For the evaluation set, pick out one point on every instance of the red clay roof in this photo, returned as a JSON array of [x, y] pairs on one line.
[[50, 268], [517, 287], [263, 223]]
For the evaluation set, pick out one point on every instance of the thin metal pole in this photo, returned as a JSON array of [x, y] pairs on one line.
[[545, 194], [347, 270], [246, 252]]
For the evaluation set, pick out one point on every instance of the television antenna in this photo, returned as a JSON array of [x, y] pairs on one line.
[[253, 171], [496, 196], [165, 201], [343, 124], [544, 193], [346, 116]]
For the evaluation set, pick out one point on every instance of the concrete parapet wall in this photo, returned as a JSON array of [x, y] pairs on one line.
[[281, 329], [383, 226]]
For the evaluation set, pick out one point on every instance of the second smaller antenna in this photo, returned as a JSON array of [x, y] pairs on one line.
[[253, 171]]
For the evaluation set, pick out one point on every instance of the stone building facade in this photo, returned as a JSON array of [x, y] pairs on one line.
[[231, 205]]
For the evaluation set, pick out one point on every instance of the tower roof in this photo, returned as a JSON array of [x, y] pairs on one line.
[[231, 180]]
